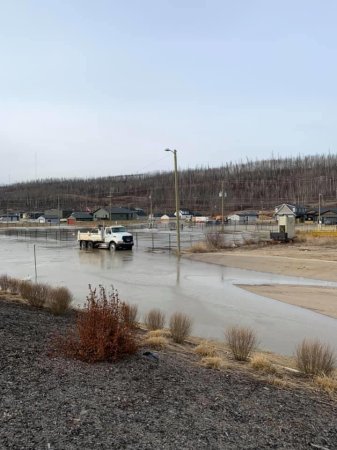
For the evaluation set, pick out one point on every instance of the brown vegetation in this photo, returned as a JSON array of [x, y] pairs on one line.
[[241, 342], [315, 358], [154, 319], [102, 332], [180, 327]]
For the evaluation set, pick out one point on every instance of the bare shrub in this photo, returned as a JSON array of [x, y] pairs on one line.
[[131, 314], [59, 300], [215, 240], [205, 349], [180, 327], [156, 342], [102, 332], [241, 342], [4, 283], [315, 358], [35, 293], [154, 319], [213, 362], [262, 364]]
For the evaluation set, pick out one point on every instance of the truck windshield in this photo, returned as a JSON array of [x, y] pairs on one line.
[[118, 229]]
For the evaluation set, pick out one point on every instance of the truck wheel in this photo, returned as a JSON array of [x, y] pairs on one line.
[[83, 245], [90, 245], [112, 246], [129, 247]]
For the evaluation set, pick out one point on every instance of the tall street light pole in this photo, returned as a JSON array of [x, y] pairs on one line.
[[319, 209], [177, 197], [222, 194]]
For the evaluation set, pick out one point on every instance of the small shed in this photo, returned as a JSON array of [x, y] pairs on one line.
[[79, 216], [243, 217]]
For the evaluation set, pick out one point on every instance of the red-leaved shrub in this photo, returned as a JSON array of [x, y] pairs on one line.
[[102, 331]]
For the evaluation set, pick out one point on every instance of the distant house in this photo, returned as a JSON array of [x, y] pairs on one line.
[[328, 216], [286, 209], [185, 214], [167, 216], [122, 214], [79, 216], [101, 214], [243, 217], [48, 219], [10, 217]]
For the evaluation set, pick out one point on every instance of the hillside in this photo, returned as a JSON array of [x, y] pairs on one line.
[[253, 184]]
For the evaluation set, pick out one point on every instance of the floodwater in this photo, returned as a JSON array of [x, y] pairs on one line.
[[208, 293]]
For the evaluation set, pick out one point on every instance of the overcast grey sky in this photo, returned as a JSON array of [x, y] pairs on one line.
[[96, 88]]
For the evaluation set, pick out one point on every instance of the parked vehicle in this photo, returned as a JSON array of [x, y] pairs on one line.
[[115, 237]]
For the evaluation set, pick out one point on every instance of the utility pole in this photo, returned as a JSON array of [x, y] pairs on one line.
[[151, 211], [177, 197], [222, 194]]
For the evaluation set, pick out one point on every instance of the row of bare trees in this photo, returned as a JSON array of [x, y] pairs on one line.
[[252, 184]]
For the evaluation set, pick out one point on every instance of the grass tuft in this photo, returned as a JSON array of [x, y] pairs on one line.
[[241, 341], [213, 362], [180, 327], [156, 342], [327, 384], [154, 319], [205, 349], [315, 358], [262, 364]]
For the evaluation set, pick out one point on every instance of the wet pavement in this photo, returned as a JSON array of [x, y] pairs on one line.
[[207, 292]]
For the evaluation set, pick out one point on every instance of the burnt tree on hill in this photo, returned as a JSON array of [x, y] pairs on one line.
[[252, 184]]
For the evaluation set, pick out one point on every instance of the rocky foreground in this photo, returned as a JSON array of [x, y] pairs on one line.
[[53, 403]]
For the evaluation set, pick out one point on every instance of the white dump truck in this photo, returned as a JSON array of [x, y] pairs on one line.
[[115, 237]]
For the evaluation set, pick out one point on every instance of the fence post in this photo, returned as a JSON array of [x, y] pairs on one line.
[[169, 241]]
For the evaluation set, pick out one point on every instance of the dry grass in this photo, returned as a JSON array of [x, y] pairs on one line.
[[213, 362], [199, 247], [315, 358], [59, 300], [157, 333], [262, 364], [327, 384], [180, 327], [156, 342], [205, 349], [241, 342], [280, 382], [154, 319]]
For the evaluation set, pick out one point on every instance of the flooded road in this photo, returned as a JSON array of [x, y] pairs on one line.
[[204, 291]]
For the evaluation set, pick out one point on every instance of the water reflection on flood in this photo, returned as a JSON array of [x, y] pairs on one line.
[[206, 292]]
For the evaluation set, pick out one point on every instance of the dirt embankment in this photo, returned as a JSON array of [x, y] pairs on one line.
[[53, 403]]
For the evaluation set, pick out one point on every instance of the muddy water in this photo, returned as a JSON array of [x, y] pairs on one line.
[[208, 293]]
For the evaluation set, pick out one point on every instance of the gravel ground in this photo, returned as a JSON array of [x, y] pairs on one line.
[[52, 403]]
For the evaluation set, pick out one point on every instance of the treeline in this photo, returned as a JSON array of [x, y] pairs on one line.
[[251, 185]]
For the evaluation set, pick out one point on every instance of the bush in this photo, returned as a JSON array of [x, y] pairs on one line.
[[241, 342], [102, 331], [180, 327], [154, 319], [315, 358], [4, 283], [35, 293], [215, 240], [131, 314], [59, 300]]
